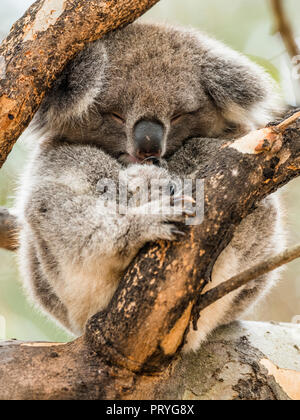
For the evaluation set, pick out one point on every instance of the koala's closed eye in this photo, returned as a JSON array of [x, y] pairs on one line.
[[120, 119], [179, 116]]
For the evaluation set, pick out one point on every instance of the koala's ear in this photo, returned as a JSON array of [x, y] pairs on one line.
[[75, 90], [240, 89]]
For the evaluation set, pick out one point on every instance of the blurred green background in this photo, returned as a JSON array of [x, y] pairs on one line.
[[246, 25]]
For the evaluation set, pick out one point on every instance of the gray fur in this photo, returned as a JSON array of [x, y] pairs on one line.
[[73, 249]]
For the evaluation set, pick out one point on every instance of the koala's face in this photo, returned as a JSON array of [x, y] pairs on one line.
[[153, 100], [142, 91]]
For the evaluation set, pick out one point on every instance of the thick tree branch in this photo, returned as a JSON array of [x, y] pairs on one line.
[[39, 46], [236, 364]]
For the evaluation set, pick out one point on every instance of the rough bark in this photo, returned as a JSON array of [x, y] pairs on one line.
[[39, 46], [133, 346], [242, 361]]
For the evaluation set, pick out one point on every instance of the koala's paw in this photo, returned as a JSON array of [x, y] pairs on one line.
[[163, 231], [162, 220], [162, 209]]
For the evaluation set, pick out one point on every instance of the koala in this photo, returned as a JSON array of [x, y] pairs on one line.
[[147, 102]]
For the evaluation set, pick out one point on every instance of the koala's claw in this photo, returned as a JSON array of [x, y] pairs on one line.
[[189, 212], [177, 232]]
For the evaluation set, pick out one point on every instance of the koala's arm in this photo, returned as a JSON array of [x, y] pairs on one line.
[[81, 226], [74, 224], [66, 211], [195, 155]]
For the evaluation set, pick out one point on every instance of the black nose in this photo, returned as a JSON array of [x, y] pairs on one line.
[[148, 139]]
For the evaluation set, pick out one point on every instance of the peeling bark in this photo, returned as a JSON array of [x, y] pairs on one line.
[[39, 46], [241, 361]]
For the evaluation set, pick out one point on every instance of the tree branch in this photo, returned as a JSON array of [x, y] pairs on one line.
[[284, 28], [158, 322], [252, 273], [39, 46]]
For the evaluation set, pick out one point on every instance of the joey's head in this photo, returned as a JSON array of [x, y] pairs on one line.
[[140, 92]]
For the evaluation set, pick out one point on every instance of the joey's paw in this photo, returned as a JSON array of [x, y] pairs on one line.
[[167, 209], [165, 221], [156, 195]]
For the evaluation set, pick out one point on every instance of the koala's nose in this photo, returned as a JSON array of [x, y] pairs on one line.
[[148, 139]]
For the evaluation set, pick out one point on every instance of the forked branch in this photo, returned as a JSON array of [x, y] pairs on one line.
[[247, 276]]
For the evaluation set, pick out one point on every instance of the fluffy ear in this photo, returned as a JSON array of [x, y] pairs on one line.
[[240, 89], [75, 90]]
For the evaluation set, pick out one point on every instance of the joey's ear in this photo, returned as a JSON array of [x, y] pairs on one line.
[[240, 89], [75, 89]]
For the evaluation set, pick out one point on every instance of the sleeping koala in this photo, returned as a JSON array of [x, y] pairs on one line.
[[146, 102]]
